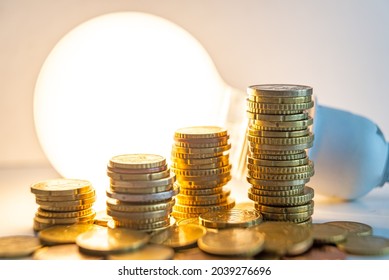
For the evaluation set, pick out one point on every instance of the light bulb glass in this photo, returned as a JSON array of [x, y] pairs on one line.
[[123, 83]]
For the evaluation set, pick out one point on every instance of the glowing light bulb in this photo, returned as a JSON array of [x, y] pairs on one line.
[[122, 83]]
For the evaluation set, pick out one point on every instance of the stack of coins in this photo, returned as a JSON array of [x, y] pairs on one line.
[[141, 192], [200, 160], [278, 136], [63, 202]]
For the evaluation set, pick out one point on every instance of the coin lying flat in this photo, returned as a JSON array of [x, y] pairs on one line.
[[328, 234], [104, 241], [233, 242], [61, 187], [365, 245], [137, 161], [285, 238], [62, 252], [148, 252], [353, 227], [325, 252], [184, 236], [230, 218], [18, 246], [62, 234]]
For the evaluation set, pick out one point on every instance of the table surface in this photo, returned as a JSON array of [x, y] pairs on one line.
[[18, 207]]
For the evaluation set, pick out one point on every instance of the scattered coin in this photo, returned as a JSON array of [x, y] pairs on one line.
[[365, 245], [328, 234], [233, 242], [231, 218], [62, 252], [184, 236], [18, 246], [353, 227]]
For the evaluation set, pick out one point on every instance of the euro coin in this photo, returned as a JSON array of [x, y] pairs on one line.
[[232, 242], [137, 161], [62, 252], [148, 252], [368, 245], [279, 90], [184, 236], [104, 241], [61, 187], [353, 228], [328, 234], [285, 238], [200, 132], [18, 246], [231, 218]]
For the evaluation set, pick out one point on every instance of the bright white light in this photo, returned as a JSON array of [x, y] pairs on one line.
[[122, 83]]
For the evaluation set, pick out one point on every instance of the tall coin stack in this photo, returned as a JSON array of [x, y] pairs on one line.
[[200, 160], [278, 136], [63, 202], [141, 192]]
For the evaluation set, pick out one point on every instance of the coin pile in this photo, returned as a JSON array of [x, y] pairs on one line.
[[141, 192], [278, 136], [200, 160], [63, 202]]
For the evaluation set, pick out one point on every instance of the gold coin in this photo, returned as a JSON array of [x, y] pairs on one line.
[[138, 176], [63, 221], [276, 184], [117, 205], [328, 234], [102, 218], [208, 197], [199, 166], [262, 149], [204, 184], [66, 208], [257, 142], [197, 156], [182, 215], [150, 197], [62, 252], [280, 177], [325, 252], [286, 210], [279, 157], [200, 172], [18, 246], [206, 179], [104, 241], [141, 227], [365, 245], [277, 134], [289, 192], [144, 190], [246, 205], [137, 161], [139, 215], [233, 242], [268, 108], [199, 132], [68, 214], [68, 203], [186, 221], [184, 236], [148, 252], [229, 204], [266, 99], [208, 143], [143, 183], [353, 228], [276, 163], [79, 196], [204, 161], [61, 187], [231, 218], [137, 171], [214, 150], [279, 90], [210, 202], [294, 200], [277, 118], [281, 170], [198, 192], [285, 238], [287, 217]]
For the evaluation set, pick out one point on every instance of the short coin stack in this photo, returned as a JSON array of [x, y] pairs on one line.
[[200, 160], [141, 192], [278, 136], [63, 202]]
